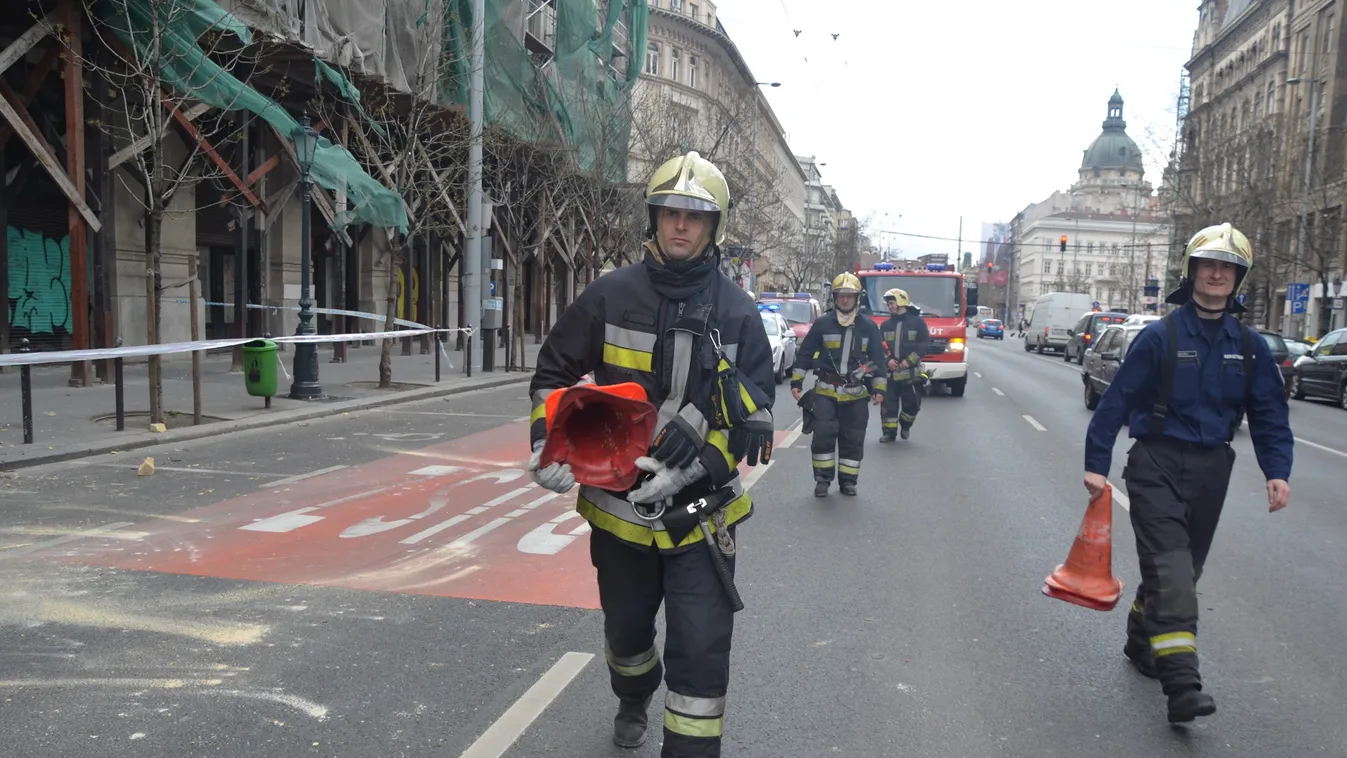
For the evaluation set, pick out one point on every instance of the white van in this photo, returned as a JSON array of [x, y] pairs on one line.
[[1051, 318]]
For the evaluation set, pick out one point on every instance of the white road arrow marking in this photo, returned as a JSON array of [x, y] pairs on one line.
[[545, 541]]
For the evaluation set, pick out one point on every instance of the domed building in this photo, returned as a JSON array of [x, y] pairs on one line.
[[1115, 236]]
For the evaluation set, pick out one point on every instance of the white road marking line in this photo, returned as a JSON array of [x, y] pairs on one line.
[[1035, 424], [302, 477], [184, 469], [753, 476], [427, 533], [795, 431], [33, 548], [978, 375], [510, 416], [999, 392], [434, 530], [435, 471], [284, 522], [511, 725], [467, 539], [292, 520], [1120, 497], [549, 497], [1324, 448]]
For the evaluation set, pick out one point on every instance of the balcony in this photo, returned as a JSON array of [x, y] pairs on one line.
[[540, 28]]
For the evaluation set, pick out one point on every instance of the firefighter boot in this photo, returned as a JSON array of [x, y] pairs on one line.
[[1189, 703], [820, 487], [905, 432], [629, 725], [847, 488]]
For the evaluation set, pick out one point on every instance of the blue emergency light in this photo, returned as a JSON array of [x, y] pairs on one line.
[[883, 266], [935, 267], [773, 307]]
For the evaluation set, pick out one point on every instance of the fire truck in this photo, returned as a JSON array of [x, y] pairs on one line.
[[939, 291]]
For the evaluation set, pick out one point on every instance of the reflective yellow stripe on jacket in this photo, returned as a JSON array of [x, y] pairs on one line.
[[614, 515], [628, 348]]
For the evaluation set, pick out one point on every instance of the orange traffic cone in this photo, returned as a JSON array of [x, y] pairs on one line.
[[1086, 579]]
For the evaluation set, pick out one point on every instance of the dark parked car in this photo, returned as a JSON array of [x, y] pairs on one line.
[[1086, 331], [1102, 363], [1281, 353], [1323, 371]]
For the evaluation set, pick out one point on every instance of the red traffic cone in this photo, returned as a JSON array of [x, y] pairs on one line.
[[1086, 579]]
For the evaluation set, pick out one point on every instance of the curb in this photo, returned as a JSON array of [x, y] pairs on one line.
[[260, 421]]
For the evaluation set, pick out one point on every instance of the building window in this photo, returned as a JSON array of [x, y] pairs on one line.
[[692, 11], [676, 6], [1089, 269], [692, 71], [652, 59], [1061, 267], [675, 64]]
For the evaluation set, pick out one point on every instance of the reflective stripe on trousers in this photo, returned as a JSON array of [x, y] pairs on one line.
[[694, 716]]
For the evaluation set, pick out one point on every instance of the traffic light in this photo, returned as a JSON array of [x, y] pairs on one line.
[[1063, 248], [989, 267]]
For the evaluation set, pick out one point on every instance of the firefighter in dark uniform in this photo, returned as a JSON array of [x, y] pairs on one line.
[[1185, 381], [843, 349], [682, 330], [906, 339]]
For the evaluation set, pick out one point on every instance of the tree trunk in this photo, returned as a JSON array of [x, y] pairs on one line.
[[386, 349], [153, 317]]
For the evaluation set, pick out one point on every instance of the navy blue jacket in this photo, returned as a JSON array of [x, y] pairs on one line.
[[1206, 395]]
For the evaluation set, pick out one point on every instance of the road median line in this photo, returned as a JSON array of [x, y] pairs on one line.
[[514, 722]]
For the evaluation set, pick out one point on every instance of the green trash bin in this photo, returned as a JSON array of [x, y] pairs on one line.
[[259, 367]]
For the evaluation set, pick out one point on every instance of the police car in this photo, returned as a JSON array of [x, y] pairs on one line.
[[782, 338]]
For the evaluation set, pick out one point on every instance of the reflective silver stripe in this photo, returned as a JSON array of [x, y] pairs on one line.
[[1189, 641], [540, 397], [761, 414], [622, 509], [865, 344], [825, 456], [731, 351], [848, 462], [881, 384], [831, 341], [632, 665], [678, 380], [696, 707], [845, 366], [628, 338]]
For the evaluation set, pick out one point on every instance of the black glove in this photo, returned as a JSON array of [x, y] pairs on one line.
[[753, 441], [677, 444]]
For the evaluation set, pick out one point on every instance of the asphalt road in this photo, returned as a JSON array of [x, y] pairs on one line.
[[388, 584]]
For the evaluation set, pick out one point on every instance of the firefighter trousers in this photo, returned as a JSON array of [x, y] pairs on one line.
[[699, 624], [838, 443], [901, 405], [1176, 490]]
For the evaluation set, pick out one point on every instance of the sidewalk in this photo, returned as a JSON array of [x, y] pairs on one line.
[[70, 422]]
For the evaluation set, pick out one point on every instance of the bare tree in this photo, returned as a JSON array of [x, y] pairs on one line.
[[807, 263], [167, 65], [418, 146]]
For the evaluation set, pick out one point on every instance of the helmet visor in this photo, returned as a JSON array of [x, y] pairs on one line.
[[1224, 256], [683, 202]]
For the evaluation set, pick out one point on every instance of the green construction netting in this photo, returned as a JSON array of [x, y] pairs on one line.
[[573, 101], [165, 34]]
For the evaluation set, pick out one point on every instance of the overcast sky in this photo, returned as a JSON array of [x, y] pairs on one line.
[[933, 110]]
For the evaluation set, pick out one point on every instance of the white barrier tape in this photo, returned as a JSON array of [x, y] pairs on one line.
[[170, 348], [326, 311]]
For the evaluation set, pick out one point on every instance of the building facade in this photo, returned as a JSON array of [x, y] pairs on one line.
[[696, 92], [1116, 238], [1261, 145]]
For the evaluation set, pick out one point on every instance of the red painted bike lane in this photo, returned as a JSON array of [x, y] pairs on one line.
[[457, 519]]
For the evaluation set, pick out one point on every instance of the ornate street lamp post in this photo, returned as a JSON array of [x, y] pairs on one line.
[[305, 385]]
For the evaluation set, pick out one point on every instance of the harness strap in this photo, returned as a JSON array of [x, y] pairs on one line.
[[1246, 343], [1161, 408]]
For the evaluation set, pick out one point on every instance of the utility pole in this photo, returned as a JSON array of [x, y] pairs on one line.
[[1298, 319], [472, 242]]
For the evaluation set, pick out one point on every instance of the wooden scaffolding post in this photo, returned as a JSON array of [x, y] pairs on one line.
[[72, 18]]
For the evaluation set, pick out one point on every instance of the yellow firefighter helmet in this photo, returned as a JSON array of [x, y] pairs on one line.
[[692, 183], [899, 297]]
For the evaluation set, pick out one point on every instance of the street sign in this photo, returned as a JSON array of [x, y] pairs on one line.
[[1338, 303], [1299, 295], [1095, 304], [1242, 298]]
